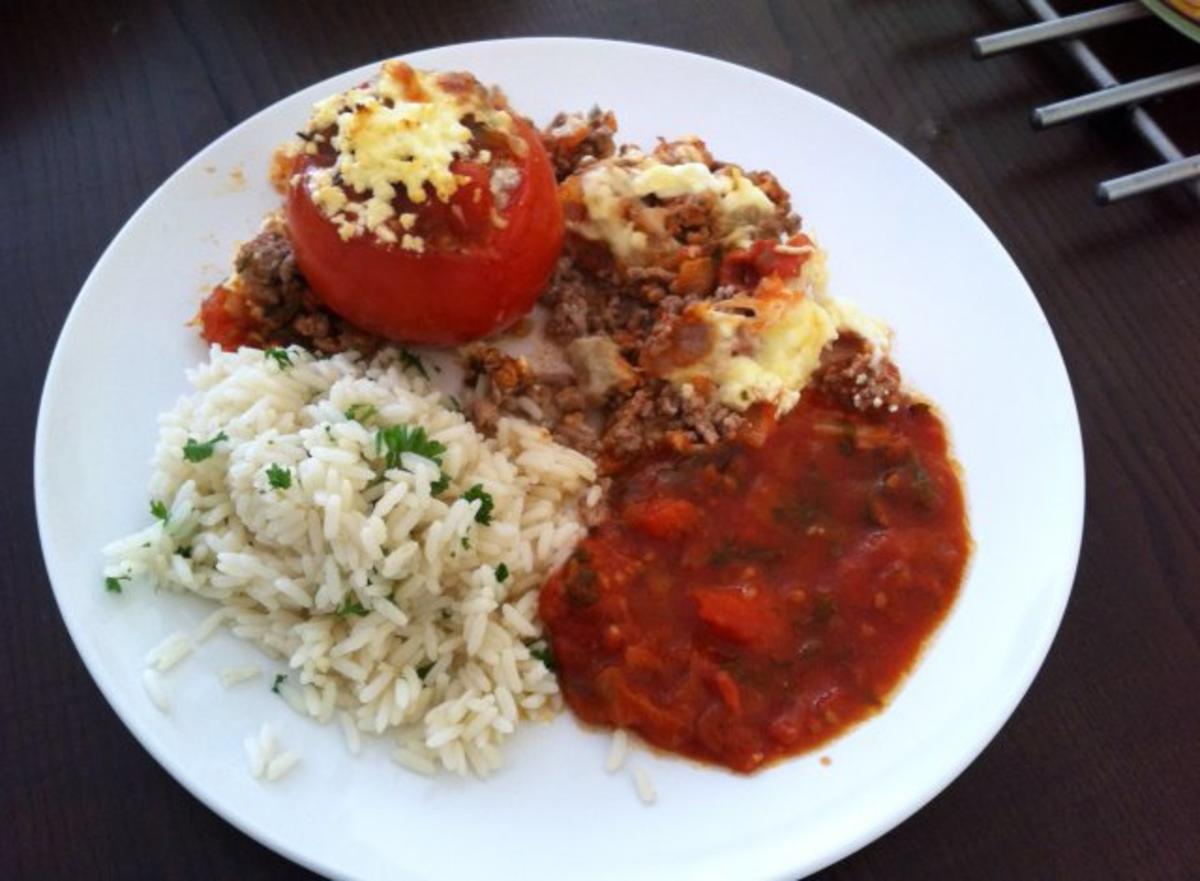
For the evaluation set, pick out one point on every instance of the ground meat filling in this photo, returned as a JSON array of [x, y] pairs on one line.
[[661, 414], [498, 384], [626, 417], [858, 379], [268, 303], [573, 140]]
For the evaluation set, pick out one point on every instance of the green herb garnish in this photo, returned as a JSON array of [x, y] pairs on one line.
[[502, 573], [440, 485], [409, 360], [194, 451], [361, 412], [486, 503], [159, 510], [280, 678], [280, 356], [395, 440], [824, 608], [279, 477], [113, 585], [466, 543], [351, 607], [543, 654]]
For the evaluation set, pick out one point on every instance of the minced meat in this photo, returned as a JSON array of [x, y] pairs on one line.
[[268, 303], [857, 378], [573, 140]]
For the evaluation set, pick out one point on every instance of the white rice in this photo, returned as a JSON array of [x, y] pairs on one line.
[[281, 764], [644, 787], [430, 647], [232, 676], [350, 733], [157, 692], [265, 760], [617, 751], [254, 757], [169, 652], [209, 626]]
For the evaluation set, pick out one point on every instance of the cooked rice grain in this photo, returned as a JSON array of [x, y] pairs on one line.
[[156, 690], [617, 751], [380, 596], [232, 676], [644, 786], [169, 652]]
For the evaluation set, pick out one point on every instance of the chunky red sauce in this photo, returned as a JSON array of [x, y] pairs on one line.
[[749, 603]]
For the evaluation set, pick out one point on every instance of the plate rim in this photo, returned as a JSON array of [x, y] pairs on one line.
[[1174, 18], [1002, 709]]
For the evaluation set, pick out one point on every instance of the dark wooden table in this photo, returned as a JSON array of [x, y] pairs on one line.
[[1097, 775]]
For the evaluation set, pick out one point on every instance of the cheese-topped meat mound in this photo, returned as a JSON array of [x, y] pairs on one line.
[[750, 315]]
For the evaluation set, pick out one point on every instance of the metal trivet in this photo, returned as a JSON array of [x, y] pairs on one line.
[[1176, 168]]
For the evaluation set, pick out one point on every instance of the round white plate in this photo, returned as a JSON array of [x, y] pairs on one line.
[[902, 244]]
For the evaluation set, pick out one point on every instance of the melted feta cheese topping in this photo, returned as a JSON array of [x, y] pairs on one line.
[[614, 191], [397, 135], [767, 346]]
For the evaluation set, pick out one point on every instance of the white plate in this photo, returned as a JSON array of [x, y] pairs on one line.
[[902, 244]]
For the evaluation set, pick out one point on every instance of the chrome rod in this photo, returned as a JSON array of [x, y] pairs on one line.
[[1187, 169], [1099, 74], [1115, 96], [1057, 28]]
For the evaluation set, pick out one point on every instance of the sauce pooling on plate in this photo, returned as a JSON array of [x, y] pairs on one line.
[[751, 602]]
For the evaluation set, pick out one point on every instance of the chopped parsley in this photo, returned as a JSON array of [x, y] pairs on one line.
[[351, 606], [279, 477], [395, 440], [466, 543], [280, 356], [440, 485], [113, 585], [502, 573], [194, 451], [411, 361], [361, 412], [159, 510], [543, 654], [486, 503], [280, 678]]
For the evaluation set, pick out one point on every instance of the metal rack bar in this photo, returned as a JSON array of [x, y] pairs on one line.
[[1115, 96], [1057, 29], [1151, 179], [1176, 168]]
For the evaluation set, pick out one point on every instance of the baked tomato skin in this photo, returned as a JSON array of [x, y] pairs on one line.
[[441, 296]]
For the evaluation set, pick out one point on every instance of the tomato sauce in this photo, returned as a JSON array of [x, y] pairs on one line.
[[224, 323], [751, 602]]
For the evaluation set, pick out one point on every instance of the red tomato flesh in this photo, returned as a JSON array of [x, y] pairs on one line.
[[474, 277]]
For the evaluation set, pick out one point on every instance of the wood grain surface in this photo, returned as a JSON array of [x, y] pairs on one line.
[[1097, 775]]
